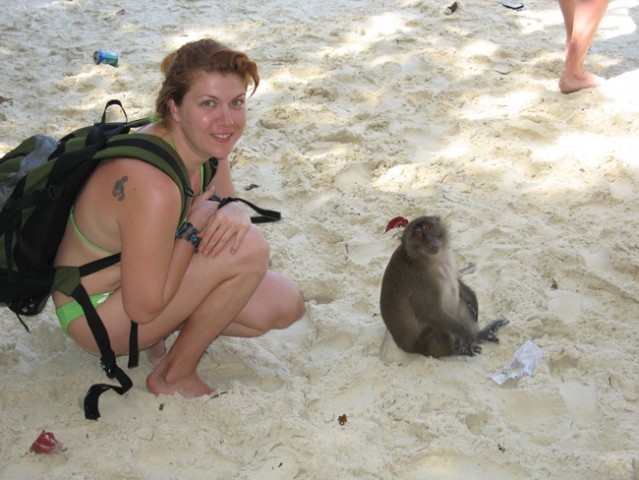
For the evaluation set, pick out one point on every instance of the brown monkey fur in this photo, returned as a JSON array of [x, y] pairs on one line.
[[425, 306]]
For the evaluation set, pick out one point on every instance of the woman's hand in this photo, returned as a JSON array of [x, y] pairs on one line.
[[228, 224], [203, 209]]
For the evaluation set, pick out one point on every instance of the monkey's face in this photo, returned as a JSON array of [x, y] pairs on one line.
[[424, 236]]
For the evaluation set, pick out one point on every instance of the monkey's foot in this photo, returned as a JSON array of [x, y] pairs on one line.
[[469, 350], [468, 269], [489, 333]]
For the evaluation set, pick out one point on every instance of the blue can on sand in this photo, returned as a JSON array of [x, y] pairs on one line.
[[102, 56]]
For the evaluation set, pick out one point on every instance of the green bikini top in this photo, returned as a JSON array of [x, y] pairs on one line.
[[83, 237]]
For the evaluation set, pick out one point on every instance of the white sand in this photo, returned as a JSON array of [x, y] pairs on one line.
[[368, 110]]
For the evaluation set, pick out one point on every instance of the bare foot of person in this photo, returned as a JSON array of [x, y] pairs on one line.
[[155, 353], [189, 387], [573, 83]]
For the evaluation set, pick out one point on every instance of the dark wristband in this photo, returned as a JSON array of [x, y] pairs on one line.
[[188, 232]]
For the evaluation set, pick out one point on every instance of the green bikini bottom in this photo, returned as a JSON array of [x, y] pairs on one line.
[[72, 310]]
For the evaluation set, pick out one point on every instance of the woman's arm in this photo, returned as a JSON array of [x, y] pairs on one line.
[[153, 262], [229, 224]]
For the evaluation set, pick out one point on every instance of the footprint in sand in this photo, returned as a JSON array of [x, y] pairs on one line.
[[449, 466], [580, 401], [598, 261], [475, 422], [363, 253], [534, 414], [357, 174], [281, 463], [316, 201], [338, 342], [566, 305], [563, 362], [352, 399]]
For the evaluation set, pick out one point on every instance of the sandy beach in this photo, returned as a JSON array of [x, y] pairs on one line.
[[367, 110]]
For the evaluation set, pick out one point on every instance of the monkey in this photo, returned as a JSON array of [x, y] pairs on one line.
[[424, 304]]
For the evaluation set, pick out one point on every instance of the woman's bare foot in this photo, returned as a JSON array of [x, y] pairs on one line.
[[155, 353], [569, 83], [189, 387]]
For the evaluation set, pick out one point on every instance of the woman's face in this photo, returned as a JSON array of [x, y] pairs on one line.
[[212, 116]]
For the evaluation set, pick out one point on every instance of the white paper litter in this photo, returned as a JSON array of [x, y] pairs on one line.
[[523, 363]]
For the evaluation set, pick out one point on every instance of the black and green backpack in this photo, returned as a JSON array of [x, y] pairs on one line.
[[39, 181]]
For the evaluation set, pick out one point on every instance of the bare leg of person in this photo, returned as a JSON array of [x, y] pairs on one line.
[[568, 12], [176, 372], [581, 27], [230, 294], [155, 353], [277, 303]]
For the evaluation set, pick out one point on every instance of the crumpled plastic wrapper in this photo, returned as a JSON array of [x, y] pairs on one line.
[[523, 363]]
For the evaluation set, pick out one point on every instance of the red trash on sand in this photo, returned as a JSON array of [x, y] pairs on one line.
[[47, 443]]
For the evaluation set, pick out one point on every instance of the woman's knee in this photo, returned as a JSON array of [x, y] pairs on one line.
[[299, 305], [292, 307], [250, 260], [254, 250]]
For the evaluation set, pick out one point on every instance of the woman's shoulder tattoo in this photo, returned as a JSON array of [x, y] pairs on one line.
[[118, 188]]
